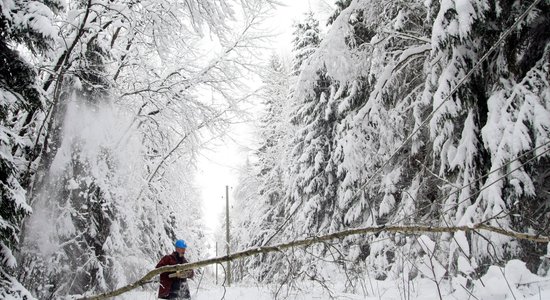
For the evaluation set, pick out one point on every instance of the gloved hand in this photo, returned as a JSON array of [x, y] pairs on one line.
[[188, 273]]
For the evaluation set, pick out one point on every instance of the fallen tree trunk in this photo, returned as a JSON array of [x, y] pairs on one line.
[[410, 229]]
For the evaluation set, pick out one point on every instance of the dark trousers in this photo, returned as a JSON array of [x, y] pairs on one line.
[[182, 293]]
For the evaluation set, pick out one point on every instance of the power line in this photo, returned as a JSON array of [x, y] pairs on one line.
[[487, 185], [478, 179], [451, 93]]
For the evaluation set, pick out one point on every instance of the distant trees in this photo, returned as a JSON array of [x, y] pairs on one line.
[[276, 135]]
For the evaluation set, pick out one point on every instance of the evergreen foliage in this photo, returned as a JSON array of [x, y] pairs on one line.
[[380, 137], [29, 24], [306, 40], [260, 192], [340, 6]]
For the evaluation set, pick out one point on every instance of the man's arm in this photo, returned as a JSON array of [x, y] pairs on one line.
[[164, 261]]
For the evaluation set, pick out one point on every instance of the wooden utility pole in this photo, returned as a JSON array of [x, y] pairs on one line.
[[216, 264], [228, 271]]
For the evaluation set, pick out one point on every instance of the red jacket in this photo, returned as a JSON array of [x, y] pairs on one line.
[[166, 282]]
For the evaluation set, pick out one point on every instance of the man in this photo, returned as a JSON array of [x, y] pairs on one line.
[[173, 285]]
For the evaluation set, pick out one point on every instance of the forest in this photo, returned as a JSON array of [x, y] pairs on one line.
[[401, 140]]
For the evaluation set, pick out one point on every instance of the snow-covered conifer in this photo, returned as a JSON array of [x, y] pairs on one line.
[[24, 26], [306, 40]]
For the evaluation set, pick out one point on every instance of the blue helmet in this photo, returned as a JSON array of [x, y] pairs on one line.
[[181, 244]]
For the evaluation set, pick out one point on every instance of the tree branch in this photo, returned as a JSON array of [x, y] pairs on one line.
[[411, 229]]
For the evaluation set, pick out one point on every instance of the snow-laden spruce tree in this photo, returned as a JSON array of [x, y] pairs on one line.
[[305, 42], [276, 135], [496, 125], [260, 193], [340, 5], [372, 72], [247, 212], [24, 26], [311, 175]]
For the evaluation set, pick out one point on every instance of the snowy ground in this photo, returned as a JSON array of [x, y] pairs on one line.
[[240, 293], [511, 282], [425, 291]]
